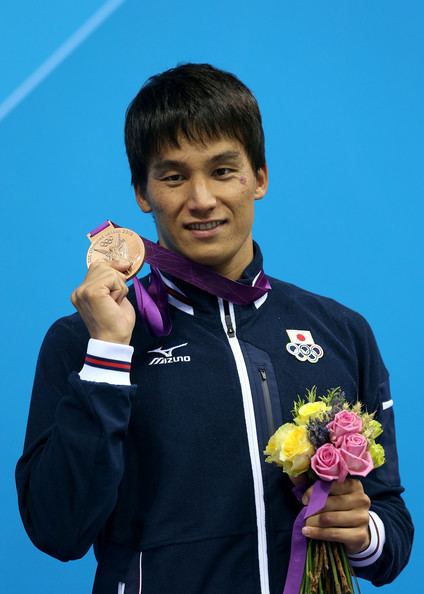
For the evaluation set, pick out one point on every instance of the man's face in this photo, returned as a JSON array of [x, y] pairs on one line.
[[202, 199]]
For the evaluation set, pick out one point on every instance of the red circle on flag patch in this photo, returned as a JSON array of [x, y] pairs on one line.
[[300, 337]]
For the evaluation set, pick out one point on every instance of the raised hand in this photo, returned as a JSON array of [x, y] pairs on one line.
[[102, 302]]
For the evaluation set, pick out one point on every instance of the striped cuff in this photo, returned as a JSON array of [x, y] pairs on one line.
[[107, 362], [378, 538]]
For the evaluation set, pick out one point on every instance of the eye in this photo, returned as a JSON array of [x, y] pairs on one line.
[[223, 171], [174, 178]]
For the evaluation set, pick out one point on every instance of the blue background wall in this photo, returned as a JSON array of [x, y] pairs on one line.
[[341, 90]]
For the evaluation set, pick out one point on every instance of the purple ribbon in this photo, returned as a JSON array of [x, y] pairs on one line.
[[316, 503], [153, 302], [203, 277]]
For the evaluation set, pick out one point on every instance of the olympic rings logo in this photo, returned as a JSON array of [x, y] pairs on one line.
[[305, 352]]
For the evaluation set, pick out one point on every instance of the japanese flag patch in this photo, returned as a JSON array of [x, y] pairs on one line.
[[303, 347]]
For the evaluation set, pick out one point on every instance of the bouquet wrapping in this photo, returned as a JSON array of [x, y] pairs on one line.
[[328, 440]]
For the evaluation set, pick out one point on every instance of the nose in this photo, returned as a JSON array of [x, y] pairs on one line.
[[200, 196]]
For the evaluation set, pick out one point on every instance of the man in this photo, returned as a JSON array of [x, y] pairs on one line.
[[163, 469]]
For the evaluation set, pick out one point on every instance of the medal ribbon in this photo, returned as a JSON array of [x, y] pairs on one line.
[[296, 568], [153, 302]]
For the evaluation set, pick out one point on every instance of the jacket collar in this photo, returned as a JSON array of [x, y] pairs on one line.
[[190, 299]]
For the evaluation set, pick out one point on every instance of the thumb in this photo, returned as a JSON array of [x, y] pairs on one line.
[[120, 265]]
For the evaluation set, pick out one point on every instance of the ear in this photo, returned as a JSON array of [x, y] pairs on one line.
[[261, 182], [142, 200]]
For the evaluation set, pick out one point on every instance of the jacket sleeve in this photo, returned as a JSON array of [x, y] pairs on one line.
[[73, 460], [383, 485]]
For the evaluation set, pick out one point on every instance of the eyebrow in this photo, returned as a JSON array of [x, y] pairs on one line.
[[226, 156], [165, 164]]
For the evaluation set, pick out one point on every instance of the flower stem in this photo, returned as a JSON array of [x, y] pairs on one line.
[[334, 569], [346, 586]]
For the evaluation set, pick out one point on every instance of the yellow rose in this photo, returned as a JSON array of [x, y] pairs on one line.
[[290, 448], [310, 410], [272, 448]]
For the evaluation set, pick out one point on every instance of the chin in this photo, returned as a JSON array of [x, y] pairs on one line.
[[212, 258], [206, 260]]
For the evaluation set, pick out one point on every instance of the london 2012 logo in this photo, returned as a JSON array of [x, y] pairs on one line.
[[167, 355], [303, 347]]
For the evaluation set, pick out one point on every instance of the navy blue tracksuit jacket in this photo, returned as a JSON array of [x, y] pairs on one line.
[[166, 477]]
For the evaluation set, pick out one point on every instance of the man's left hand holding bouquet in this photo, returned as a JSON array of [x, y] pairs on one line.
[[345, 517]]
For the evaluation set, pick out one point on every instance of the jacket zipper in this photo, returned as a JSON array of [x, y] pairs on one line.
[[267, 401], [226, 311], [228, 321]]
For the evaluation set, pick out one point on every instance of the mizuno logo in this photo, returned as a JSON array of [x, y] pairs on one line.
[[167, 352], [167, 355]]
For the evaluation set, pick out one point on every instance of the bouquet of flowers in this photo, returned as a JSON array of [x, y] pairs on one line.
[[329, 440]]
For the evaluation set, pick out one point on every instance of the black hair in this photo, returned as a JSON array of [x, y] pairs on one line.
[[196, 101]]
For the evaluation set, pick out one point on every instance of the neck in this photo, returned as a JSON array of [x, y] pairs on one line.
[[232, 271]]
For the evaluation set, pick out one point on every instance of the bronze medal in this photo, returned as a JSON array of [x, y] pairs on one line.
[[117, 243]]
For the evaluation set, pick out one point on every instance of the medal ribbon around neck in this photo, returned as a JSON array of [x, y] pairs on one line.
[[153, 302]]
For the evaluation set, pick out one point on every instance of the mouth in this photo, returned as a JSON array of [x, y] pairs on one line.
[[208, 226]]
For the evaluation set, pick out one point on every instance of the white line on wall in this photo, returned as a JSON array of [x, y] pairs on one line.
[[58, 56]]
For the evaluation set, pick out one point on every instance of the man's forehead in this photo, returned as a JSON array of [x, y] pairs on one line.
[[208, 151]]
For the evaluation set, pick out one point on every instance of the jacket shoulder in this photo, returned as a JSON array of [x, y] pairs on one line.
[[333, 318], [297, 298]]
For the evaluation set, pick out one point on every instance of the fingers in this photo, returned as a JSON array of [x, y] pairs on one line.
[[339, 519], [102, 302], [88, 293], [349, 501], [354, 539], [121, 265], [102, 278], [344, 518], [349, 486], [348, 497], [119, 294]]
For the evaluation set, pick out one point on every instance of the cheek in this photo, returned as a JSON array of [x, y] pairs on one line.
[[244, 211], [160, 199], [163, 206]]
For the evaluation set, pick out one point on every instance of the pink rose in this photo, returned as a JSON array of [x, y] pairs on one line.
[[328, 464], [344, 422], [354, 451], [354, 443]]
